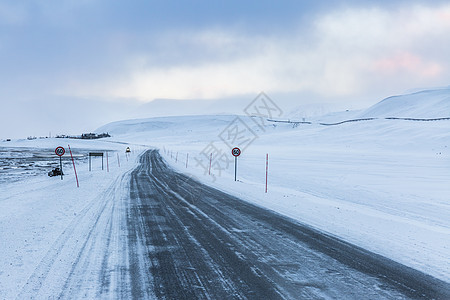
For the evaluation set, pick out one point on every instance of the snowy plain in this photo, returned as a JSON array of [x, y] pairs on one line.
[[380, 184]]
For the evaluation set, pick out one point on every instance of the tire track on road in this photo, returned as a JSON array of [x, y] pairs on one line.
[[74, 265], [202, 243]]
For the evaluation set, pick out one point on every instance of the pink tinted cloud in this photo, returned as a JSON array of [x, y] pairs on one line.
[[444, 17], [407, 62]]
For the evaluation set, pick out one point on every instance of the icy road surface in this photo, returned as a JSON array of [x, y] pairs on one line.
[[187, 240], [157, 234]]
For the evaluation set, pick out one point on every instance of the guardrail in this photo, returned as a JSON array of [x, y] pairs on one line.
[[348, 121], [296, 123], [414, 119]]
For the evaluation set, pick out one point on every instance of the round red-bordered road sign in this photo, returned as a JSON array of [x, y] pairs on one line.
[[60, 151], [236, 152]]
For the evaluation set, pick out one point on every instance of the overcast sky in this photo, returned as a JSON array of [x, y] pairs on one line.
[[59, 56]]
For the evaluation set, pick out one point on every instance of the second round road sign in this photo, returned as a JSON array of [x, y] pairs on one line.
[[60, 151], [236, 151]]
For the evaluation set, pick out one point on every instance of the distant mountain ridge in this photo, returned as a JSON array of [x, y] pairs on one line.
[[162, 124], [427, 104]]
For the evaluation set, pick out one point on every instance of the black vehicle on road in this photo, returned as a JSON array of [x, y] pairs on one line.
[[55, 172]]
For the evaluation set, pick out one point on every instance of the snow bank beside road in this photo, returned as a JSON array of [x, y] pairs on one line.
[[38, 213]]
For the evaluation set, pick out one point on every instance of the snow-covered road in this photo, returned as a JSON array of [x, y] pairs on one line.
[[153, 233], [200, 243]]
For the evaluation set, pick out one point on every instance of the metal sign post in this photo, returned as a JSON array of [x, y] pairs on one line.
[[235, 168], [127, 152], [235, 152], [95, 154], [60, 152]]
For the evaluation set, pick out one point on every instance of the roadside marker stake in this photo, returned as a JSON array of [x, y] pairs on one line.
[[176, 159], [118, 161], [267, 168], [73, 162], [107, 163], [210, 160], [187, 159]]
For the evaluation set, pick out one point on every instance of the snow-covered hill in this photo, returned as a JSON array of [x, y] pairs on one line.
[[164, 126], [423, 104]]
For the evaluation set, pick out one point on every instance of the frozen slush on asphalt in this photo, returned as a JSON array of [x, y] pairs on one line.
[[356, 210]]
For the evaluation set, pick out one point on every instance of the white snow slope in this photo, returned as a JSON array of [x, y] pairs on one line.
[[423, 104], [380, 184]]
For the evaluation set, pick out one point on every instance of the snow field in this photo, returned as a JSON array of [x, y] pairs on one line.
[[382, 184], [45, 221]]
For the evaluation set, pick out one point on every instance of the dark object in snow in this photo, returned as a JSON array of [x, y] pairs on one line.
[[128, 150], [55, 172], [92, 136]]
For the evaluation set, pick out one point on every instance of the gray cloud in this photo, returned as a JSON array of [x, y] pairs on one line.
[[113, 51]]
